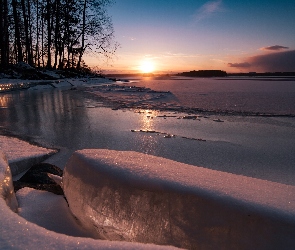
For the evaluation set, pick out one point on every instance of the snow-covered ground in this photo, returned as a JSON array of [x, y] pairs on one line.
[[127, 195]]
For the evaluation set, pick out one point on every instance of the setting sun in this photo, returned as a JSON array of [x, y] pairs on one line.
[[147, 66]]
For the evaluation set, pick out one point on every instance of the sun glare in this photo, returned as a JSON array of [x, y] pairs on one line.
[[147, 67]]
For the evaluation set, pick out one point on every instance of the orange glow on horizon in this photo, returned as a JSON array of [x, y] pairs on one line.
[[147, 66], [134, 64]]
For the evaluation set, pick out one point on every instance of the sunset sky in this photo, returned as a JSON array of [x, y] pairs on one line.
[[182, 35]]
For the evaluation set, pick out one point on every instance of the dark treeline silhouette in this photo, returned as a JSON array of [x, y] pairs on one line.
[[204, 73], [54, 33]]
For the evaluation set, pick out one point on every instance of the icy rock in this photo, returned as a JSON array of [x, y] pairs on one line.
[[141, 198], [37, 177]]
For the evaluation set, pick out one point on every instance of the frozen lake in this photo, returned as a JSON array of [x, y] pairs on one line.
[[273, 95], [259, 147]]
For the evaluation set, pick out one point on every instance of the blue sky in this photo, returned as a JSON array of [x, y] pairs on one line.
[[179, 35]]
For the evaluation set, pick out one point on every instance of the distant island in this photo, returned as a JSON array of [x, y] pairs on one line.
[[204, 73]]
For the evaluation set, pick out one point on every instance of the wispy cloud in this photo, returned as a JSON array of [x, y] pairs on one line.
[[239, 65], [129, 38], [208, 9], [179, 55], [274, 48]]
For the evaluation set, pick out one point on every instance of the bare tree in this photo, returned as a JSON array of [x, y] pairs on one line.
[[97, 30], [54, 33]]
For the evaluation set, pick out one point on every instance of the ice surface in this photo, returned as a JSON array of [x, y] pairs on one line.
[[122, 96], [141, 198], [18, 233]]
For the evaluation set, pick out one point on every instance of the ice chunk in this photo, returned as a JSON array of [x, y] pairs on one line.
[[18, 233], [141, 198], [56, 178], [6, 187], [21, 155]]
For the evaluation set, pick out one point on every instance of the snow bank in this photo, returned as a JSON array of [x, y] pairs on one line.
[[17, 84], [141, 198], [33, 203], [18, 233], [22, 155]]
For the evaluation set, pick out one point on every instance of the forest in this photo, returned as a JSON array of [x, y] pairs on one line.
[[54, 34]]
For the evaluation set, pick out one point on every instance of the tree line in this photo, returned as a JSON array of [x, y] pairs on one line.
[[204, 73], [54, 33]]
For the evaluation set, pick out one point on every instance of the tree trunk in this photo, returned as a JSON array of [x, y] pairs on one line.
[[27, 37], [1, 33], [57, 33], [42, 36], [37, 55], [19, 52], [48, 7], [83, 35], [30, 32]]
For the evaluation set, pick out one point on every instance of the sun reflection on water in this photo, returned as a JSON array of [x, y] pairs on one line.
[[4, 101], [147, 123]]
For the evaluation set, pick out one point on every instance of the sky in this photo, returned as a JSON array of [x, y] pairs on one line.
[[183, 35]]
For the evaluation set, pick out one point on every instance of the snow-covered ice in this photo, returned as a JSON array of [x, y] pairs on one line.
[[21, 155], [141, 198]]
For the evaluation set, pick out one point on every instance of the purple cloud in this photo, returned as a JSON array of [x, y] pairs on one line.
[[275, 48], [274, 62], [271, 62], [239, 65]]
